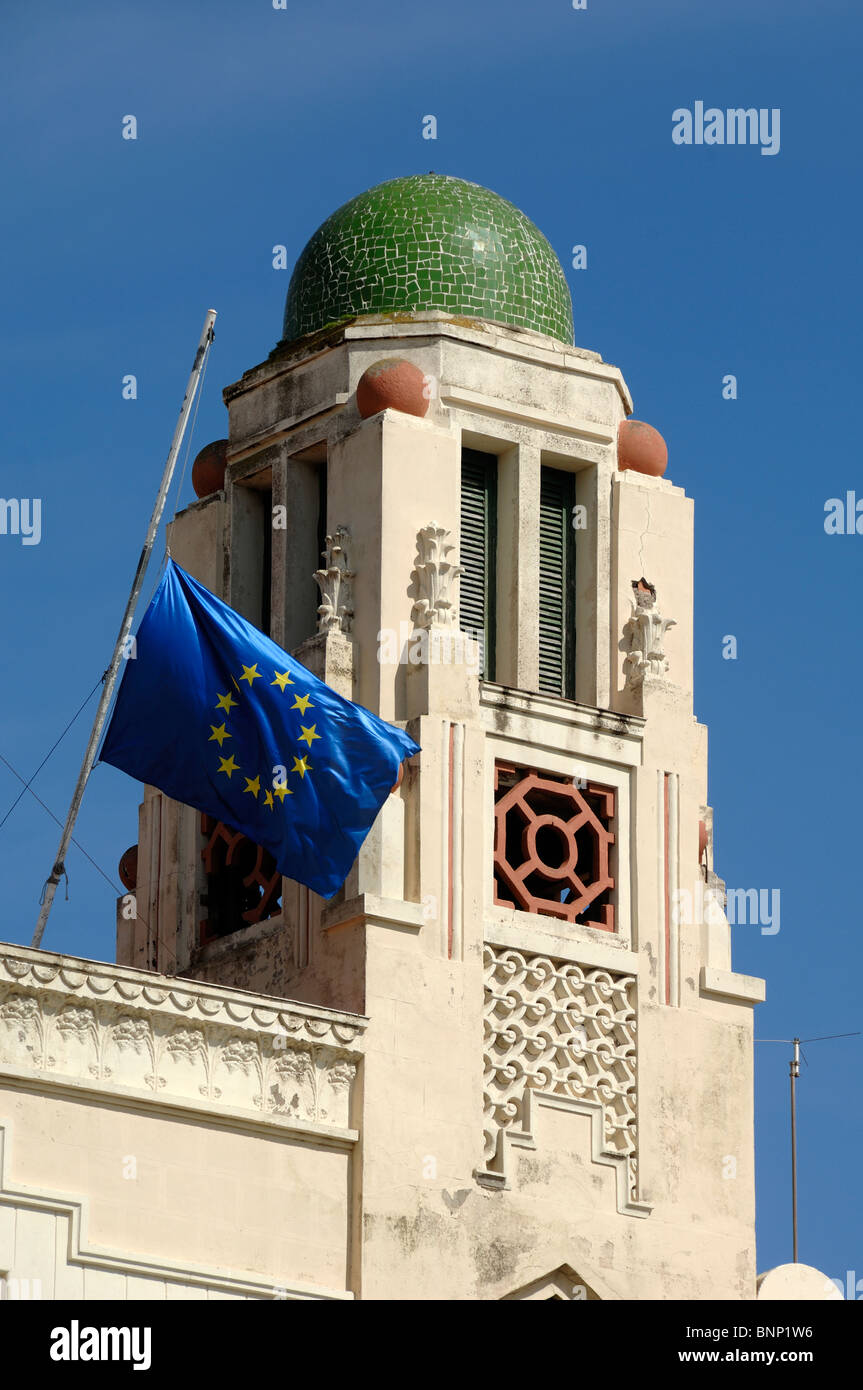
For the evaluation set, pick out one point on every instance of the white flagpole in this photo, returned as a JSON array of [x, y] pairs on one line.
[[112, 672]]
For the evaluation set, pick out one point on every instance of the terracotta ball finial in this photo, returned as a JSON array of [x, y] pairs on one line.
[[641, 448], [208, 470], [128, 868], [392, 384]]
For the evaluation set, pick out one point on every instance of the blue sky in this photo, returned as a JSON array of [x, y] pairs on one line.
[[254, 124]]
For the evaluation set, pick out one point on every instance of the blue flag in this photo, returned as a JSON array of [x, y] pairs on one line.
[[217, 716]]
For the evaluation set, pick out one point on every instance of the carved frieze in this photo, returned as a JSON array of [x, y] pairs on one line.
[[180, 1040]]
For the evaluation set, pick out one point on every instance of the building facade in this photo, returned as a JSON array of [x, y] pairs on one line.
[[510, 1059]]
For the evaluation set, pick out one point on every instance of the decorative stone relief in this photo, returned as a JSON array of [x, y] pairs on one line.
[[643, 636], [432, 578], [180, 1040], [563, 1035], [336, 609]]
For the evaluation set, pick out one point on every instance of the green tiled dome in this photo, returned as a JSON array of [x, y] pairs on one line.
[[429, 242]]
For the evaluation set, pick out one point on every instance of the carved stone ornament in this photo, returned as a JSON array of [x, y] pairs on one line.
[[336, 609], [432, 579], [118, 1030], [564, 1036], [644, 635]]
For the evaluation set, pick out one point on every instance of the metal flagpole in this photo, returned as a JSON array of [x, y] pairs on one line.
[[112, 672]]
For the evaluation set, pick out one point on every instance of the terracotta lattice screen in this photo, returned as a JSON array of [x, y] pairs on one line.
[[243, 884], [552, 846]]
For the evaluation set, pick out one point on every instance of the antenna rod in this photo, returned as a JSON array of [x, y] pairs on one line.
[[110, 678], [794, 1068]]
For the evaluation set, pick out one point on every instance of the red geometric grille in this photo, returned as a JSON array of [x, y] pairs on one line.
[[551, 846], [243, 884]]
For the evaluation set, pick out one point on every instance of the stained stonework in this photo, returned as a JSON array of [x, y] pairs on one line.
[[429, 242]]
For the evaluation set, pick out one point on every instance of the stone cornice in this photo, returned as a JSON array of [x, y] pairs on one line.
[[151, 1037], [481, 332], [122, 984], [511, 711]]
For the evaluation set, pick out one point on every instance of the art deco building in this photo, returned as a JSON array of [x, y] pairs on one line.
[[510, 1058]]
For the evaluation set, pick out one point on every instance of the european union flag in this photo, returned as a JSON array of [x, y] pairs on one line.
[[217, 716]]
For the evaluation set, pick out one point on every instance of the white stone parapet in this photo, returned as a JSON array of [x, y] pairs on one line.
[[108, 1028]]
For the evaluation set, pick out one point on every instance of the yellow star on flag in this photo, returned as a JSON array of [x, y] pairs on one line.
[[251, 673], [225, 702], [227, 765], [282, 790], [282, 679], [253, 785], [219, 734], [308, 735], [301, 702], [301, 766], [268, 799]]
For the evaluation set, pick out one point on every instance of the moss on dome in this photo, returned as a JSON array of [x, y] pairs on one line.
[[429, 242]]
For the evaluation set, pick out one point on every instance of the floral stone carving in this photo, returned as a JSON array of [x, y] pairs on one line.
[[336, 609], [432, 579]]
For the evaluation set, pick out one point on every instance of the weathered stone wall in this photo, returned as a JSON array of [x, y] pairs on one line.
[[163, 1135]]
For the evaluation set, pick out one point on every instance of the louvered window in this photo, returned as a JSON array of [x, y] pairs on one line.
[[556, 584], [478, 552]]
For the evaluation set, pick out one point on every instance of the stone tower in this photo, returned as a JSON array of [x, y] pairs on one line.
[[438, 504]]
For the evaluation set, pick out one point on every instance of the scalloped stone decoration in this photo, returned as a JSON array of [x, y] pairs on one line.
[[200, 1045]]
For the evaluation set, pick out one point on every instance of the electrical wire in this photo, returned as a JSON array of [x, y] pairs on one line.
[[75, 842], [28, 785]]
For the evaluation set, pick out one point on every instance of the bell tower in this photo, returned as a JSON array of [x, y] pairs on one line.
[[442, 507]]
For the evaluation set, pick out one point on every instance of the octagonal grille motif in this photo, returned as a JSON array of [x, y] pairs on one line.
[[552, 846], [243, 884]]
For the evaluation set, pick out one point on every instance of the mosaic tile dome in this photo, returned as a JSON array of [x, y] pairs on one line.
[[429, 242]]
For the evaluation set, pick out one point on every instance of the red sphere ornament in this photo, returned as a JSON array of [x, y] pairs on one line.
[[641, 448], [208, 470], [128, 868], [393, 384]]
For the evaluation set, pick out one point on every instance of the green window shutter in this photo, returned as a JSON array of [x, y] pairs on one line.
[[556, 584], [478, 551]]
